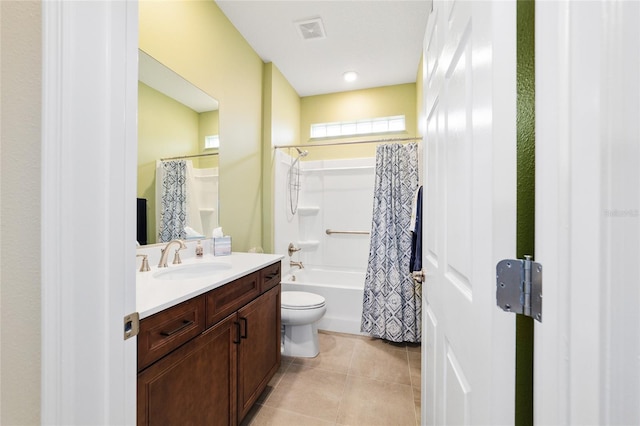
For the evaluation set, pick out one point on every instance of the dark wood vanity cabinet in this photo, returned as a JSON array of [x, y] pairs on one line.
[[193, 385], [259, 352], [215, 377]]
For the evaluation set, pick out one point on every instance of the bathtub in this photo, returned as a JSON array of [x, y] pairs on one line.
[[342, 290]]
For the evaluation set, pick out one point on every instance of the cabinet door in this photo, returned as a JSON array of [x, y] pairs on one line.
[[259, 350], [194, 385]]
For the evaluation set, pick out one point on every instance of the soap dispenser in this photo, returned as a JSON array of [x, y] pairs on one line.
[[199, 249]]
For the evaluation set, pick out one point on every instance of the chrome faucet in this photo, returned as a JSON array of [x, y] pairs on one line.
[[298, 264], [165, 253]]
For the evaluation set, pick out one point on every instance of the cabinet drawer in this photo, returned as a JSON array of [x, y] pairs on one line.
[[165, 331], [230, 297], [269, 277]]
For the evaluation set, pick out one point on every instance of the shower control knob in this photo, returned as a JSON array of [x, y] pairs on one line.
[[292, 249]]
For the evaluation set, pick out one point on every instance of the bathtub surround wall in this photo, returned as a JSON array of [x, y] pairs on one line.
[[336, 195]]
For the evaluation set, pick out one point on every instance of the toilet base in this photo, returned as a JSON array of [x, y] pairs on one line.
[[301, 341]]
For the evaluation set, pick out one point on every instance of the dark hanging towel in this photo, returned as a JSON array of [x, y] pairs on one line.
[[141, 222], [415, 264]]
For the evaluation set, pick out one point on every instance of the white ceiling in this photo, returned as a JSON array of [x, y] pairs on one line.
[[380, 40]]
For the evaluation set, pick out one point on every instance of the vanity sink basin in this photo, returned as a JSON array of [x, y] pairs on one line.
[[186, 272]]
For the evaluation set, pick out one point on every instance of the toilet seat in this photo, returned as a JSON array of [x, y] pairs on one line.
[[301, 300]]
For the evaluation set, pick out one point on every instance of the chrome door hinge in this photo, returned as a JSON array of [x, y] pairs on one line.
[[131, 325], [519, 287]]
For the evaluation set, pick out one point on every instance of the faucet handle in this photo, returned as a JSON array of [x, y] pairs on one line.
[[292, 249], [176, 257], [145, 263]]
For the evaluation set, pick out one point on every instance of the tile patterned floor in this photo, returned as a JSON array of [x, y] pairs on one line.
[[355, 380]]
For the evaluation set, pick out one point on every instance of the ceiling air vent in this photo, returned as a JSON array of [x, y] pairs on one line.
[[311, 29]]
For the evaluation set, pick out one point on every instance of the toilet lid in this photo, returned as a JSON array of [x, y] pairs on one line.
[[301, 300]]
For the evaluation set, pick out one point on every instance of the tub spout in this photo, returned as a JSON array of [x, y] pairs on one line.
[[298, 264]]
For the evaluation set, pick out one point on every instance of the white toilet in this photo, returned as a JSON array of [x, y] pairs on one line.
[[300, 312]]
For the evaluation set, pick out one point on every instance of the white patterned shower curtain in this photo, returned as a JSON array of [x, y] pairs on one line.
[[392, 300], [171, 184], [182, 194]]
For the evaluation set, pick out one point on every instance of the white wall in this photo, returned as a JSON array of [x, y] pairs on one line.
[[334, 194], [285, 224], [20, 84]]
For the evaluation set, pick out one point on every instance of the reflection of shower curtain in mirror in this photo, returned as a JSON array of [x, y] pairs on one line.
[[185, 196], [171, 195]]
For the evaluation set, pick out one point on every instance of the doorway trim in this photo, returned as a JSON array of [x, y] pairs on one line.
[[89, 104]]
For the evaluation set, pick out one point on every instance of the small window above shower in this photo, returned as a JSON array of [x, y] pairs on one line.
[[212, 142], [369, 126]]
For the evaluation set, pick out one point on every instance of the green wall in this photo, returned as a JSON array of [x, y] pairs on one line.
[[353, 105], [526, 198], [281, 127], [207, 126], [197, 41]]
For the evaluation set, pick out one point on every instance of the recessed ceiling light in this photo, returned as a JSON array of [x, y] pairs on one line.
[[350, 76]]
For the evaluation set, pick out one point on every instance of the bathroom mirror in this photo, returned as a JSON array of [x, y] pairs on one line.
[[176, 121]]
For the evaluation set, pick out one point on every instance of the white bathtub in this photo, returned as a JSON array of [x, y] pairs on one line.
[[342, 290]]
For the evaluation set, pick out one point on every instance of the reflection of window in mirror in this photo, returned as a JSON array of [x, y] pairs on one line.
[[212, 142]]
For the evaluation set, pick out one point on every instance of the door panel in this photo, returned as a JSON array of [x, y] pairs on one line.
[[587, 349], [429, 373], [469, 211]]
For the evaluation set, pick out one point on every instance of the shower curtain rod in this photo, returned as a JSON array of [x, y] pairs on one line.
[[309, 145], [189, 156]]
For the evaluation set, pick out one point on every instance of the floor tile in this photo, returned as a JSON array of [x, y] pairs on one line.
[[414, 347], [372, 402], [284, 365], [381, 343], [380, 362], [355, 380], [308, 391], [415, 365], [268, 416], [335, 354]]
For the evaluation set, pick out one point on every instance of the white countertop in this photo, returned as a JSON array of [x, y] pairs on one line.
[[154, 295]]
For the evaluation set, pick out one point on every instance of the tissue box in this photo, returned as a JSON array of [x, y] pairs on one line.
[[221, 246]]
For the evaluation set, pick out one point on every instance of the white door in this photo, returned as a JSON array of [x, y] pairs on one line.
[[469, 212], [587, 349], [88, 211]]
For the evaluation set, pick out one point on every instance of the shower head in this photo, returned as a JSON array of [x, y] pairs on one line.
[[302, 153]]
